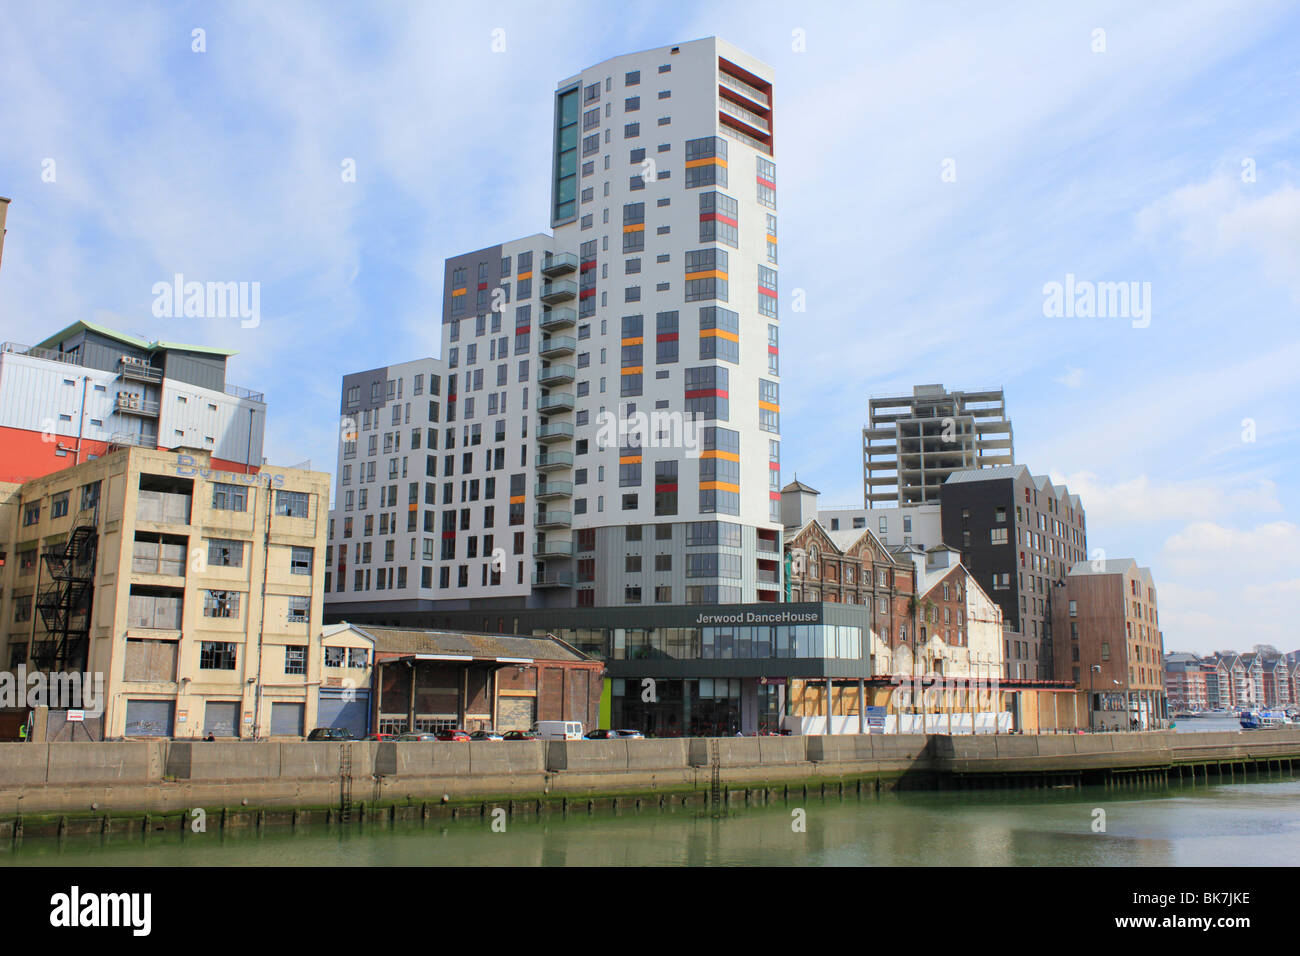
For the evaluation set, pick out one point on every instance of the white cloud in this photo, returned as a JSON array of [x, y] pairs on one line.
[[1224, 215], [1142, 500], [1073, 378]]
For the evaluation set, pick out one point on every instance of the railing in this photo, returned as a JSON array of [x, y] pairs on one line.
[[745, 138], [132, 439], [552, 579], [560, 402], [553, 489], [52, 355], [554, 519], [559, 290], [553, 549], [740, 86], [240, 392], [558, 430], [134, 403], [554, 345], [139, 370], [556, 373], [555, 459], [559, 264], [753, 119], [558, 319]]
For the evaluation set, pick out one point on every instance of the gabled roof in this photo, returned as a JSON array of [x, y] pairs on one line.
[[798, 485], [138, 342]]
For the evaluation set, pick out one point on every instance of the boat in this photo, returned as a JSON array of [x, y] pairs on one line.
[[1260, 719]]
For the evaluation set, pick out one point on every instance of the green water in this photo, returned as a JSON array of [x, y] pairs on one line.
[[1242, 824]]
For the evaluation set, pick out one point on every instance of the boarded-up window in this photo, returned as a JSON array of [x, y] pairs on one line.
[[150, 660]]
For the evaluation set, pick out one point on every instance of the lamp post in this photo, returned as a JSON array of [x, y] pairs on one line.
[[1092, 713]]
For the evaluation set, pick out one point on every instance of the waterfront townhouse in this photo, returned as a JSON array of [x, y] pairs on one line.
[[1106, 617], [195, 592]]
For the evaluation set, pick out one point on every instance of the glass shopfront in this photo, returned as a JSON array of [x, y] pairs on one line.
[[827, 641], [702, 707]]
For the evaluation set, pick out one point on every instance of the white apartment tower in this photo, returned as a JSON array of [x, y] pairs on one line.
[[605, 426]]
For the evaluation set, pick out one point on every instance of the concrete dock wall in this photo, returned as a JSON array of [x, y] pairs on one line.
[[67, 777]]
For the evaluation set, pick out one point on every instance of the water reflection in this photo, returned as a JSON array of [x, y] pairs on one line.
[[1204, 824]]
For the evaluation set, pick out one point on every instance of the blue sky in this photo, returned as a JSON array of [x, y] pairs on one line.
[[1124, 164]]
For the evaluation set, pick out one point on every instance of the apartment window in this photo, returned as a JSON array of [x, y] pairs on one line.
[[59, 505], [707, 392], [997, 536], [292, 504], [31, 514], [631, 129], [769, 406], [299, 607], [666, 350], [300, 560], [632, 78], [229, 497], [766, 183], [226, 553], [295, 660], [706, 275], [216, 656], [221, 604]]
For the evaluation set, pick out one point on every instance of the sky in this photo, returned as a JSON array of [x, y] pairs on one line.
[[939, 164]]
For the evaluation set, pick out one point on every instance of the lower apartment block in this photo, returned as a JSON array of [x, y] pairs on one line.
[[195, 594]]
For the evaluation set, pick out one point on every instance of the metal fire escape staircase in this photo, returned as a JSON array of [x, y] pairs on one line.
[[64, 603]]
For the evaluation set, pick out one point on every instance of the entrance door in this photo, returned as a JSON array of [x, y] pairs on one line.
[[221, 718]]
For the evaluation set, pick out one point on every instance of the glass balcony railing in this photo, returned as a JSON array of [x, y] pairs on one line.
[[555, 402], [555, 319], [556, 375], [559, 264], [547, 490], [557, 345], [553, 460], [554, 519], [561, 290], [744, 89], [558, 431]]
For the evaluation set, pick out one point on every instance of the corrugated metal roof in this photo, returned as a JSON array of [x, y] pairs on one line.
[[396, 640], [987, 474]]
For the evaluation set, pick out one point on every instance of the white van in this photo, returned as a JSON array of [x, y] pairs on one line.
[[558, 729]]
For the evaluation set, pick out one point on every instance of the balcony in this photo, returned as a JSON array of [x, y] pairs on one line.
[[129, 404], [553, 549], [550, 490], [559, 431], [138, 370], [132, 440], [745, 116], [768, 577], [553, 579], [556, 375], [554, 460], [559, 264], [562, 290], [555, 402], [744, 89], [551, 520], [554, 345], [555, 319]]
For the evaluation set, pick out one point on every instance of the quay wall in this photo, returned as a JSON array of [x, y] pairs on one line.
[[166, 775]]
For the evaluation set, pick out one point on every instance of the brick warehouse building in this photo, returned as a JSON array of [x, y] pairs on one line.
[[440, 680]]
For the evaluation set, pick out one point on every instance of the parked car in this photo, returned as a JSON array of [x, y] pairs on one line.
[[417, 735], [486, 735], [630, 734], [455, 735], [331, 733], [382, 738], [558, 729], [519, 735], [603, 735]]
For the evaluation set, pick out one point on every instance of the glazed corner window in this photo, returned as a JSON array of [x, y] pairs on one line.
[[229, 497], [292, 504]]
